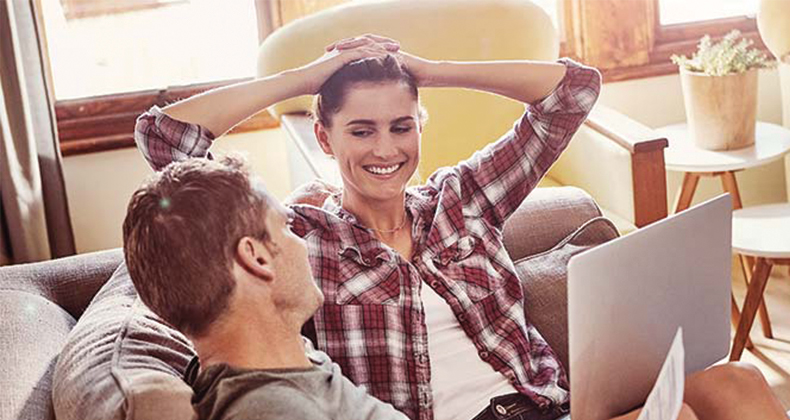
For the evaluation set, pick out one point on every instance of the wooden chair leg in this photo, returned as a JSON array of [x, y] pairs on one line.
[[686, 194], [730, 185], [747, 266], [735, 317], [762, 270]]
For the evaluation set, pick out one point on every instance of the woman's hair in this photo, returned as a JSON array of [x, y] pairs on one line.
[[330, 97]]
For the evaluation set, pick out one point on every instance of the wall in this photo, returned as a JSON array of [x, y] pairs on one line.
[[658, 101], [99, 185]]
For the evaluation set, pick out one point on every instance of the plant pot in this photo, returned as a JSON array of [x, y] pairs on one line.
[[721, 110]]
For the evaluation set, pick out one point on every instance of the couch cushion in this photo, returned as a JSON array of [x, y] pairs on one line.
[[544, 278], [623, 225], [33, 330], [122, 362]]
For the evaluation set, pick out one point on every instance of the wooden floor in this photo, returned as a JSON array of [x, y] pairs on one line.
[[772, 356]]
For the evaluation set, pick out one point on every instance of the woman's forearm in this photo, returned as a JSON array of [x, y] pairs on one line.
[[219, 110], [525, 81]]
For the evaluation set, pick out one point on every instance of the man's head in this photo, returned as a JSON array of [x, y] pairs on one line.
[[199, 231]]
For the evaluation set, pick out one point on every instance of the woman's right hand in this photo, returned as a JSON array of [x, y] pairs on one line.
[[340, 53]]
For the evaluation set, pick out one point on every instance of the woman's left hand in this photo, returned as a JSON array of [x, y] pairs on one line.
[[419, 67]]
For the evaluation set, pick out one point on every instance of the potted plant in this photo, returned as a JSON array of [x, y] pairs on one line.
[[720, 91]]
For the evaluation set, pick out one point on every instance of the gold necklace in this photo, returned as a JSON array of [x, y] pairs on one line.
[[403, 223]]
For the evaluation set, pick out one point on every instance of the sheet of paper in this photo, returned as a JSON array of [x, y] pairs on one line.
[[666, 398]]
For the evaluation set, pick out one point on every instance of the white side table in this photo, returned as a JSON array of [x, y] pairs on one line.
[[762, 232], [772, 142]]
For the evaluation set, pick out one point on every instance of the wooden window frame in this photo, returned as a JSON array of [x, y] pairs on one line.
[[78, 9]]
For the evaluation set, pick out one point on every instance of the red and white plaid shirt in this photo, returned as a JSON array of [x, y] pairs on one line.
[[372, 322]]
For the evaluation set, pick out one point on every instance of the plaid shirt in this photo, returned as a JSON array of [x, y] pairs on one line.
[[372, 322]]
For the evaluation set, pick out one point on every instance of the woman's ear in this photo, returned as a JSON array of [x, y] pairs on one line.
[[255, 258], [323, 138]]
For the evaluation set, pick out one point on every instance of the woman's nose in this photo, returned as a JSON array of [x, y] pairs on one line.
[[385, 147]]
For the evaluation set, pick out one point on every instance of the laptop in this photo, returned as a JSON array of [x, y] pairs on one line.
[[627, 298]]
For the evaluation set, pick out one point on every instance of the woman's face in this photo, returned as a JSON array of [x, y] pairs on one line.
[[375, 138]]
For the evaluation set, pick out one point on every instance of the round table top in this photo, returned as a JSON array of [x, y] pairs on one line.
[[762, 231], [771, 143]]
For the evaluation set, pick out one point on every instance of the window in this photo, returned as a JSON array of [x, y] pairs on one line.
[[151, 52], [672, 12], [101, 87], [626, 38], [182, 43]]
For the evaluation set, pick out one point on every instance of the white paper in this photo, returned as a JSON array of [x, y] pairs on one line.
[[666, 398]]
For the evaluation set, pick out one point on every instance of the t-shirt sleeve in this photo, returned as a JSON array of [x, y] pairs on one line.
[[162, 139], [495, 180], [359, 404]]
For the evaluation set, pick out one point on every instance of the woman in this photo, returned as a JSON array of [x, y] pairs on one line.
[[422, 304]]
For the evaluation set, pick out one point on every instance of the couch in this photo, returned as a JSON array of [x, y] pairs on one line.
[[76, 326]]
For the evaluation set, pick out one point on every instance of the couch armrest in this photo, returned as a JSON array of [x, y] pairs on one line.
[[621, 163], [546, 217], [69, 282], [33, 334]]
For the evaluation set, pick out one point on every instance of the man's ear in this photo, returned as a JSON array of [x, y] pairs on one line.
[[255, 258], [323, 139]]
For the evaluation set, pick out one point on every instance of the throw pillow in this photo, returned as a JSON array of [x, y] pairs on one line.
[[544, 276], [122, 362]]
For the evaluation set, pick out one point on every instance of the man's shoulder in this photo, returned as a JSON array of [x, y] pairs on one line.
[[276, 400]]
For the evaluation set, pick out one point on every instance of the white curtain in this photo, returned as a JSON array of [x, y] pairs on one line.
[[784, 77], [34, 219]]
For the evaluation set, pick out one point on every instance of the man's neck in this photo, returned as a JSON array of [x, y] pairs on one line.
[[246, 345]]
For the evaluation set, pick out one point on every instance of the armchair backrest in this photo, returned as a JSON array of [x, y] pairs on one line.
[[460, 122]]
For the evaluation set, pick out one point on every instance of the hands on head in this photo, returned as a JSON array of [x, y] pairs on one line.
[[344, 51]]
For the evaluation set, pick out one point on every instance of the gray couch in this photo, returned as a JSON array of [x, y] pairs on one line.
[[41, 303]]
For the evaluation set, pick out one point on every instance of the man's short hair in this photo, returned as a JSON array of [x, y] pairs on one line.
[[180, 235]]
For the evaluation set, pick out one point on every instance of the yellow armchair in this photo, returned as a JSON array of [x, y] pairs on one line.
[[615, 159]]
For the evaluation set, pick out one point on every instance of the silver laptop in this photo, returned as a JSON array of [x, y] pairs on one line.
[[626, 299]]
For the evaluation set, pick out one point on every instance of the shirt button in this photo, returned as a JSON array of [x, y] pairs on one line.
[[500, 409], [461, 317], [434, 284], [484, 355]]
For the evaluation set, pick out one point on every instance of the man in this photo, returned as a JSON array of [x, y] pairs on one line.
[[211, 253]]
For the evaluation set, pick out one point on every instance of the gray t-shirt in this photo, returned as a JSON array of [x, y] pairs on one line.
[[317, 393]]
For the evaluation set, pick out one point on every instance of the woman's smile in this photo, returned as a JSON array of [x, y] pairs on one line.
[[384, 171]]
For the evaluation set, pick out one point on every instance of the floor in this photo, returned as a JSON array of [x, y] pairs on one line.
[[772, 356]]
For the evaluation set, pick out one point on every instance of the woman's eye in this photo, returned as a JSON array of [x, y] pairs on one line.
[[401, 130], [361, 133]]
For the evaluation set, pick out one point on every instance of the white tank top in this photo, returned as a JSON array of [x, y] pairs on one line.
[[462, 383]]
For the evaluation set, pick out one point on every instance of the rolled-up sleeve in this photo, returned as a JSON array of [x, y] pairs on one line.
[[162, 139], [495, 180]]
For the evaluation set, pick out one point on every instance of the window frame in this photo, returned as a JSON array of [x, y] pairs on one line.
[[77, 9]]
